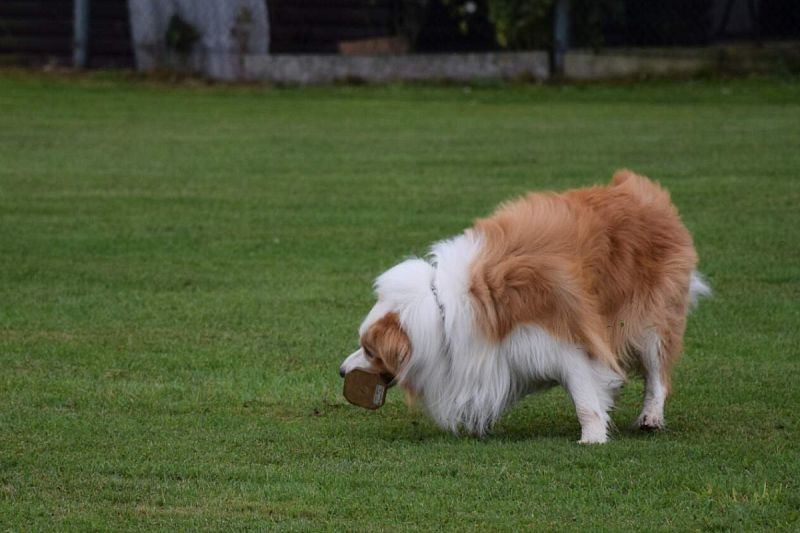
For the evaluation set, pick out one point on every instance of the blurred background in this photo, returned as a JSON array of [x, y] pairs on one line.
[[224, 40]]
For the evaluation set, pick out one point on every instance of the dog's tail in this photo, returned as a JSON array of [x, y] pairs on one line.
[[698, 288], [645, 190]]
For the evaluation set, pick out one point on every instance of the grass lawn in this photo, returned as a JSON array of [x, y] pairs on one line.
[[182, 269]]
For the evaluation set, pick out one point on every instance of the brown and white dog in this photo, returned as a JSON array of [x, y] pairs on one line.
[[576, 289]]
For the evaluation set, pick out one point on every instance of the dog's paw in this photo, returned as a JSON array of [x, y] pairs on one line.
[[593, 440], [593, 437], [650, 422]]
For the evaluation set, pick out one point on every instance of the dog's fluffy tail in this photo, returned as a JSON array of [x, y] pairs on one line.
[[698, 288]]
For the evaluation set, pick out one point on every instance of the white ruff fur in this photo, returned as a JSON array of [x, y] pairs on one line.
[[464, 380]]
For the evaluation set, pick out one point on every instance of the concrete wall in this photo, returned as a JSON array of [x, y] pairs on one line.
[[579, 65], [311, 69]]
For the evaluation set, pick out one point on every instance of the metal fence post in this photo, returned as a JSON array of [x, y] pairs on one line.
[[80, 50], [560, 37]]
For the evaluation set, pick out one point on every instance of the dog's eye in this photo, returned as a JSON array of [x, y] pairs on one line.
[[367, 353]]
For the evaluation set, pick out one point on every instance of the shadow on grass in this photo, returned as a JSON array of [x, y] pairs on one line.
[[546, 416], [410, 425]]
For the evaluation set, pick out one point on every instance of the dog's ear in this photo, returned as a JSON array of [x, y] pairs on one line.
[[388, 343]]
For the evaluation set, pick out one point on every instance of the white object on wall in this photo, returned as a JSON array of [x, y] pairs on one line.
[[228, 31]]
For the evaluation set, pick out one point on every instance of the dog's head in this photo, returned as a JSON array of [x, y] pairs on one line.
[[401, 328], [384, 346]]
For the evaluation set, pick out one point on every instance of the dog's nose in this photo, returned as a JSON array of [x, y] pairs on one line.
[[341, 371]]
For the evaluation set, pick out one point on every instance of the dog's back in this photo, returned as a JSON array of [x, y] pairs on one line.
[[607, 267]]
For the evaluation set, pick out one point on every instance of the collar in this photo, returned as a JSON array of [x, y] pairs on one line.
[[439, 303]]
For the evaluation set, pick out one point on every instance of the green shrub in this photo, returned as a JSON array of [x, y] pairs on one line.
[[526, 24]]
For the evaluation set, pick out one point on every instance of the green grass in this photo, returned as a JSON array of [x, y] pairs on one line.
[[183, 268]]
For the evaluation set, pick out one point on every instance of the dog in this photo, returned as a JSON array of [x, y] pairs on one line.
[[577, 288]]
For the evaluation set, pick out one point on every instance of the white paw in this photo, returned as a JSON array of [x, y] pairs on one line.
[[650, 421], [593, 437]]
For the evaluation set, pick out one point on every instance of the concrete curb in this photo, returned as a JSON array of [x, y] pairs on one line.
[[533, 65], [314, 69]]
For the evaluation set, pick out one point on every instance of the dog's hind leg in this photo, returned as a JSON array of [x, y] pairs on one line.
[[661, 346], [656, 358], [592, 387]]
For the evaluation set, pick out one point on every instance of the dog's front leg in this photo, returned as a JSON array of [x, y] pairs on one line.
[[592, 400]]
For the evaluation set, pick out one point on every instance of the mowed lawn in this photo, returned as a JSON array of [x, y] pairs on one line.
[[182, 269]]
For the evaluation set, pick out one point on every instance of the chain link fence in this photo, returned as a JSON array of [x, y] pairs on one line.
[[528, 24], [692, 23], [213, 37]]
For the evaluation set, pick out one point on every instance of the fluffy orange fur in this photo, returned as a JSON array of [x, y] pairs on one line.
[[599, 266]]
